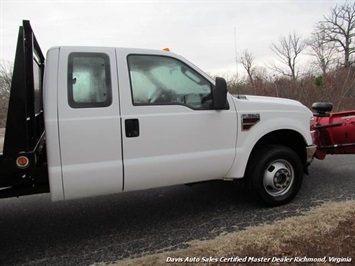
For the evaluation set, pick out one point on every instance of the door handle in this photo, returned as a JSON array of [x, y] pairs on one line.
[[132, 128]]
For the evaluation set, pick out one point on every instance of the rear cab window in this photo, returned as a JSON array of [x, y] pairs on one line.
[[89, 80]]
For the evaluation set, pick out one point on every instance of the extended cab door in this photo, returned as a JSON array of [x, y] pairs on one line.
[[88, 122], [171, 134]]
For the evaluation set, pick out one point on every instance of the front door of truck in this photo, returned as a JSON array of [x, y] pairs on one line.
[[89, 124], [171, 135]]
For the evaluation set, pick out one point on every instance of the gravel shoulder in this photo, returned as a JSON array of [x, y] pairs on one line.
[[326, 232]]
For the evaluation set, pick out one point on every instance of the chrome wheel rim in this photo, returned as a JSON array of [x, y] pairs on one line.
[[278, 178]]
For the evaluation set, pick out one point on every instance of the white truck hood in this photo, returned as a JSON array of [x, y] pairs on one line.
[[269, 103]]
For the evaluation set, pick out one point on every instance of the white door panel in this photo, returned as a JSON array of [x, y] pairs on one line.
[[89, 123], [176, 144], [173, 153]]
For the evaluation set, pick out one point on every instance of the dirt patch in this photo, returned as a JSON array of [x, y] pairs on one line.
[[324, 232], [2, 135]]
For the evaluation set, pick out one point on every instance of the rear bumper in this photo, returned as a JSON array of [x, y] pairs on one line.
[[311, 150]]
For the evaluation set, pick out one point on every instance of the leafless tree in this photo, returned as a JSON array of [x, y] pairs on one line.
[[6, 69], [288, 50], [324, 52], [247, 60], [339, 28], [5, 85]]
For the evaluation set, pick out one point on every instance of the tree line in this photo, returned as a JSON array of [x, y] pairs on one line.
[[329, 77], [331, 44]]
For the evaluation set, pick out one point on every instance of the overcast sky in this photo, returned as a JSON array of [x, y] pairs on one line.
[[201, 31]]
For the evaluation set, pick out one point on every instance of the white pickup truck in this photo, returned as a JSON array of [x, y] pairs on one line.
[[90, 121]]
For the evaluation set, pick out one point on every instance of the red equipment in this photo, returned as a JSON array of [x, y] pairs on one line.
[[334, 132]]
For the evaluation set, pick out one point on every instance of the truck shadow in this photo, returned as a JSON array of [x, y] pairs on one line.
[[33, 227]]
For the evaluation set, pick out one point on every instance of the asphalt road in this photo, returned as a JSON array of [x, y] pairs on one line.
[[35, 231]]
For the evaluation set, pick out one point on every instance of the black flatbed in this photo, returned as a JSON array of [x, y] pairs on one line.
[[25, 132]]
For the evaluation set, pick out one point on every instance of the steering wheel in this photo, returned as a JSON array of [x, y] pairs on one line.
[[156, 95]]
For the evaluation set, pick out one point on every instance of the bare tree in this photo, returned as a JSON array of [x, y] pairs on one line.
[[288, 50], [5, 85], [324, 52], [339, 28], [247, 60], [6, 69]]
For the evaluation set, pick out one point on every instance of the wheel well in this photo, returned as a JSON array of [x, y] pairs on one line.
[[286, 137]]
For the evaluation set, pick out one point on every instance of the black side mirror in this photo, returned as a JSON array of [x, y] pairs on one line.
[[220, 94]]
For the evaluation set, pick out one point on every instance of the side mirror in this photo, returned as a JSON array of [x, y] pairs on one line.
[[220, 94]]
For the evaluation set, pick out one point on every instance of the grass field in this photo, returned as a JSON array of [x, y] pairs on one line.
[[325, 232]]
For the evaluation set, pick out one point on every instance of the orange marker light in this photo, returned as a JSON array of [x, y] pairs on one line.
[[166, 49], [22, 162]]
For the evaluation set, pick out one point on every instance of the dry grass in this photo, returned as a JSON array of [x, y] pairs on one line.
[[2, 134], [326, 231]]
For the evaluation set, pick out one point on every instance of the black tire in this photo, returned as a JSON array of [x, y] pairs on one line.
[[274, 175]]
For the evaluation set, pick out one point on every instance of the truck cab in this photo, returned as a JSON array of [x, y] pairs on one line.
[[127, 119], [124, 119]]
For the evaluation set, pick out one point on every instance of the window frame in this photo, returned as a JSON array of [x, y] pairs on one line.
[[72, 103], [168, 103]]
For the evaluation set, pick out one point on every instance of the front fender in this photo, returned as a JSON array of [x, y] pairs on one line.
[[269, 122]]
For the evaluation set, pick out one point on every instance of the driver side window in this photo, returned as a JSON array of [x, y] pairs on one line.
[[161, 80]]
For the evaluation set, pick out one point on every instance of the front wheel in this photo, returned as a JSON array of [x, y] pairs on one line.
[[275, 174]]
